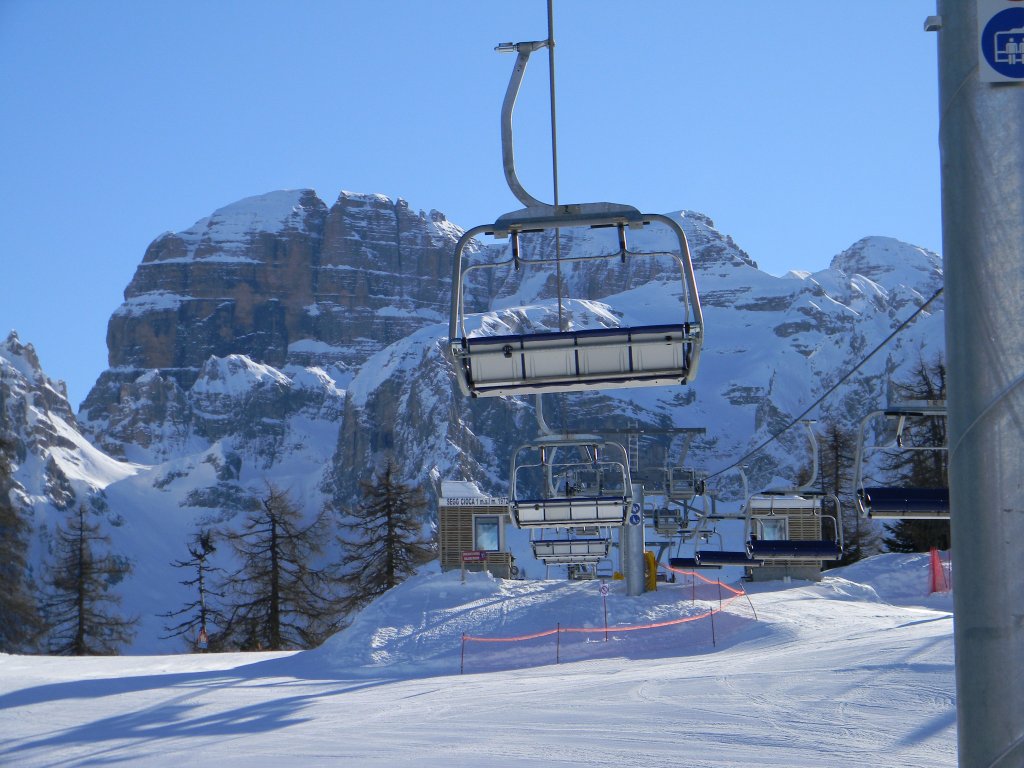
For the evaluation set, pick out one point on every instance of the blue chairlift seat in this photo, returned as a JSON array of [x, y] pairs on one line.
[[795, 550], [900, 503], [712, 557]]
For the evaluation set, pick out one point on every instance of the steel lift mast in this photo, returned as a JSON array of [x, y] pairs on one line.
[[981, 139]]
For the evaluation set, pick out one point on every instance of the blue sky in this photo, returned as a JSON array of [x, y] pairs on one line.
[[797, 126]]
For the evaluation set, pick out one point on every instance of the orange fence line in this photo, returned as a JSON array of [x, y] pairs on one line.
[[516, 639], [654, 625], [703, 578], [560, 630], [606, 630]]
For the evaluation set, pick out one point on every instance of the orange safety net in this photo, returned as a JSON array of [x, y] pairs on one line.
[[736, 593]]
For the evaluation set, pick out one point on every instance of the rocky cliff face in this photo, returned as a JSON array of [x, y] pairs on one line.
[[283, 280], [356, 297], [54, 468]]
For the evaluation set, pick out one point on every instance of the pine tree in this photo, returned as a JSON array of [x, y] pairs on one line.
[[79, 606], [836, 475], [20, 623], [385, 542], [921, 468], [277, 600], [202, 617]]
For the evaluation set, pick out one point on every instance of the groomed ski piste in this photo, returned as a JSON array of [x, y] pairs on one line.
[[856, 670]]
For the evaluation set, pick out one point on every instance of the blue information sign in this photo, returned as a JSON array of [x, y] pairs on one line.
[[634, 519], [1002, 42]]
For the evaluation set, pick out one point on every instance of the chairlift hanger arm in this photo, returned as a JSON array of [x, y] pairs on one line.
[[508, 159], [926, 408]]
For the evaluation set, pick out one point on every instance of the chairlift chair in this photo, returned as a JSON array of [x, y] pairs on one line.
[[566, 482], [567, 359], [565, 551], [790, 527], [717, 558], [685, 484], [903, 502], [668, 521], [709, 557], [581, 571]]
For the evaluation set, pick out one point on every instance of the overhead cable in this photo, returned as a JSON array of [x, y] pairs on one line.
[[831, 389]]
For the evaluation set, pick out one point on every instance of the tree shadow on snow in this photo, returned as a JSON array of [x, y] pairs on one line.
[[178, 716]]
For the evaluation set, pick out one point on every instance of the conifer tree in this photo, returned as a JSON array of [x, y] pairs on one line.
[[277, 599], [836, 474], [921, 468], [80, 607], [384, 540], [202, 618], [20, 623]]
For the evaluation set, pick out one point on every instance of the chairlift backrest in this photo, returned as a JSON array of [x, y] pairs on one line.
[[686, 484], [569, 482], [556, 551], [792, 527]]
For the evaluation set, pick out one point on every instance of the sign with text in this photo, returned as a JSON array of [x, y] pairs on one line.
[[474, 501], [474, 556], [1001, 41]]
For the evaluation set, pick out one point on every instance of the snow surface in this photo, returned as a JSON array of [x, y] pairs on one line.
[[830, 674]]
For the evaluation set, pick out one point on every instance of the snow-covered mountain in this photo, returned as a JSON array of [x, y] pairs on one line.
[[283, 341]]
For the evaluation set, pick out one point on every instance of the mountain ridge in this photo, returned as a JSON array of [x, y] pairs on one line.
[[314, 399]]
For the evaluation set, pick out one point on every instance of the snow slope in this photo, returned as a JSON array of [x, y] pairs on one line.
[[827, 675]]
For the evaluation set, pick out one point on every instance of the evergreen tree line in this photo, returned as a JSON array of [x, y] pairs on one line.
[[282, 592]]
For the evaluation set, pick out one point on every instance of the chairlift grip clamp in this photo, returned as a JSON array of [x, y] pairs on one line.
[[527, 47]]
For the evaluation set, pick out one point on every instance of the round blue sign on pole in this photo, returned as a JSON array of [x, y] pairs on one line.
[[1002, 43], [634, 519]]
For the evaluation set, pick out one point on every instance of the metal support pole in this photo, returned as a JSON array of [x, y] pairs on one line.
[[981, 138], [633, 544]]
